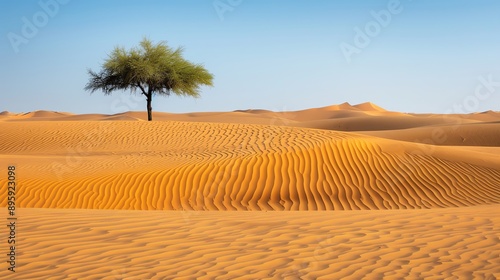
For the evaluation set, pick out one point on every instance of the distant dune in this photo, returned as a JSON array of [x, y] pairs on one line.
[[437, 178]]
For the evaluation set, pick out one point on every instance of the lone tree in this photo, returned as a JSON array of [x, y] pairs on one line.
[[150, 69]]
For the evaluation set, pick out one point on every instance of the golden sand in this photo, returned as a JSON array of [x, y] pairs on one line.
[[429, 210]]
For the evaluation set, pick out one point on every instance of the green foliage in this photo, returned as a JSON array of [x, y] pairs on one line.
[[151, 69]]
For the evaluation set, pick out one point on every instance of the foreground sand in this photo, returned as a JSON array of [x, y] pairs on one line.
[[428, 209], [454, 243]]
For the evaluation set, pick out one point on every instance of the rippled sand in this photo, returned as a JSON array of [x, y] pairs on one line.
[[89, 185]]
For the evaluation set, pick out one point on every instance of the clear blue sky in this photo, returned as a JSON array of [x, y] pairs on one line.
[[266, 54]]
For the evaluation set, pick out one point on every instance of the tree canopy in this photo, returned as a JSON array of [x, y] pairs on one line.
[[150, 69]]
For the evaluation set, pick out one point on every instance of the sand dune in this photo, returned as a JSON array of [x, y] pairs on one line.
[[368, 106], [454, 243], [42, 114], [465, 134], [435, 179], [5, 114], [196, 166], [377, 123]]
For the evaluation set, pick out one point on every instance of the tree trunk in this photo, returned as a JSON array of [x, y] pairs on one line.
[[149, 98]]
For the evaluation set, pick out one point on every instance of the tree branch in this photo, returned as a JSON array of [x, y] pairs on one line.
[[142, 89]]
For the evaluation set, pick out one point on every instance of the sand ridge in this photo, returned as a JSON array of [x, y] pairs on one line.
[[213, 166]]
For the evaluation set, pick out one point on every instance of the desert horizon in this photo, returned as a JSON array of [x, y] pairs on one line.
[[342, 191]]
